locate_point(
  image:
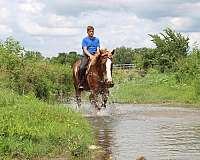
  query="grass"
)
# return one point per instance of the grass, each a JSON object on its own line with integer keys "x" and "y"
{"x": 153, "y": 88}
{"x": 30, "y": 128}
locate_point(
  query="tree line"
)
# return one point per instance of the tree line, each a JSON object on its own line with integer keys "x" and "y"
{"x": 28, "y": 72}
{"x": 172, "y": 55}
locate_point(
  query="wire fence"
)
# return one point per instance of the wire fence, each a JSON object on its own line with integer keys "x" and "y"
{"x": 123, "y": 66}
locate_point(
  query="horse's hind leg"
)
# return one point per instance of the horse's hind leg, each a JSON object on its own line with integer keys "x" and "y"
{"x": 78, "y": 98}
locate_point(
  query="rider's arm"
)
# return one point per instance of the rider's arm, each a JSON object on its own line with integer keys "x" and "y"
{"x": 98, "y": 51}
{"x": 86, "y": 52}
{"x": 98, "y": 47}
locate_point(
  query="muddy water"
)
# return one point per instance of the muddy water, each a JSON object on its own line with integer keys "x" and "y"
{"x": 155, "y": 132}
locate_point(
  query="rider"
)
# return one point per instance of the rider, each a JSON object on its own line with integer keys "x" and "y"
{"x": 90, "y": 46}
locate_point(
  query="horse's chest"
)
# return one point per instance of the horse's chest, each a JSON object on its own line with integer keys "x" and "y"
{"x": 95, "y": 78}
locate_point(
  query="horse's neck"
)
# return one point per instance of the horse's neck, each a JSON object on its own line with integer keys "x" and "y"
{"x": 97, "y": 68}
{"x": 94, "y": 67}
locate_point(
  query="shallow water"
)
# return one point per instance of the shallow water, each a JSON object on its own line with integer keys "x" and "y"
{"x": 156, "y": 132}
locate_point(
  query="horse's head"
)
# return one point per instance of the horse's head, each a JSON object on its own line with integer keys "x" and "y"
{"x": 105, "y": 59}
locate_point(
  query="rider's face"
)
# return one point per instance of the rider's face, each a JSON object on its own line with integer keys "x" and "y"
{"x": 90, "y": 33}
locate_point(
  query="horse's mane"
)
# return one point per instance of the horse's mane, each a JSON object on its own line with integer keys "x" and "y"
{"x": 104, "y": 53}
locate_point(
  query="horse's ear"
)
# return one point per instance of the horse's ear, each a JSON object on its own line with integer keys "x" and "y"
{"x": 113, "y": 51}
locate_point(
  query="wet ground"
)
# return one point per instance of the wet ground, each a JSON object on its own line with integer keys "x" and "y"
{"x": 157, "y": 132}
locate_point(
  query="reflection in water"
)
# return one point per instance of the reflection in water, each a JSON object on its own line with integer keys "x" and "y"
{"x": 103, "y": 132}
{"x": 158, "y": 133}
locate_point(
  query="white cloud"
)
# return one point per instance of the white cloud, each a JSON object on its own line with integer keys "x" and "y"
{"x": 57, "y": 26}
{"x": 194, "y": 37}
{"x": 6, "y": 30}
{"x": 35, "y": 21}
{"x": 4, "y": 13}
{"x": 36, "y": 29}
{"x": 178, "y": 23}
{"x": 190, "y": 9}
{"x": 59, "y": 21}
{"x": 31, "y": 6}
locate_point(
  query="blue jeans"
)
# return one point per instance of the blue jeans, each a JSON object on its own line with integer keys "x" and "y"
{"x": 83, "y": 65}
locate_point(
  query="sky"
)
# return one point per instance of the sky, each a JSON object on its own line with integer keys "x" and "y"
{"x": 53, "y": 26}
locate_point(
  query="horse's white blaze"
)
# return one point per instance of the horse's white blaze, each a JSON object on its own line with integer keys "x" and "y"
{"x": 108, "y": 70}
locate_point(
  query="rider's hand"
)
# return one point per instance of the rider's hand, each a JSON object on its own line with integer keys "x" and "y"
{"x": 92, "y": 57}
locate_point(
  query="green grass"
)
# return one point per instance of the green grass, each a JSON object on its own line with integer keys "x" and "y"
{"x": 153, "y": 88}
{"x": 30, "y": 128}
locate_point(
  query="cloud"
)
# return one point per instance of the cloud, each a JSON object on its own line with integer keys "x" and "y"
{"x": 5, "y": 29}
{"x": 181, "y": 24}
{"x": 195, "y": 37}
{"x": 32, "y": 7}
{"x": 190, "y": 9}
{"x": 4, "y": 14}
{"x": 38, "y": 30}
{"x": 59, "y": 26}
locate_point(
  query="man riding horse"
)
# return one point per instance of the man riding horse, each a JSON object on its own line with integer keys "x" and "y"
{"x": 90, "y": 46}
{"x": 94, "y": 72}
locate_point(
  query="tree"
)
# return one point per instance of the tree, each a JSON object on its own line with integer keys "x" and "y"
{"x": 66, "y": 58}
{"x": 144, "y": 57}
{"x": 170, "y": 47}
{"x": 123, "y": 55}
{"x": 72, "y": 57}
{"x": 28, "y": 72}
{"x": 33, "y": 55}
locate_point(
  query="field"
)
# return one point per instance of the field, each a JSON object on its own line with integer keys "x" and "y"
{"x": 130, "y": 87}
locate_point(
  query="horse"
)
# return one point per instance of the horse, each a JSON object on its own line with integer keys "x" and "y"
{"x": 98, "y": 78}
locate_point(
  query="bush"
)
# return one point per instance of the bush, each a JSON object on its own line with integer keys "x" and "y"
{"x": 28, "y": 72}
{"x": 188, "y": 69}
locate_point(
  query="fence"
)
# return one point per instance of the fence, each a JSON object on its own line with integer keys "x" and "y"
{"x": 123, "y": 66}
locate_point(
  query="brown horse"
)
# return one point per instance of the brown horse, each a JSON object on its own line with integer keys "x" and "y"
{"x": 98, "y": 78}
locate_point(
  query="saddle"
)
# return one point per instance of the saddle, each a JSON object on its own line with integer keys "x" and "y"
{"x": 90, "y": 63}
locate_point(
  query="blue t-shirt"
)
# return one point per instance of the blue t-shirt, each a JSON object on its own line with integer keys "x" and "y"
{"x": 91, "y": 44}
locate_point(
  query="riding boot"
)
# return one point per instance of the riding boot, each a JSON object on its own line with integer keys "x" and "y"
{"x": 81, "y": 79}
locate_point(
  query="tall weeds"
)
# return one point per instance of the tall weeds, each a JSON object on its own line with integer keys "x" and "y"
{"x": 30, "y": 128}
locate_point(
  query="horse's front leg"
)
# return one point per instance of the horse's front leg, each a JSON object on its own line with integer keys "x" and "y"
{"x": 93, "y": 100}
{"x": 105, "y": 94}
{"x": 78, "y": 97}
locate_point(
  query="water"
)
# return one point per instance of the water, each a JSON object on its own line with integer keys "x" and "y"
{"x": 156, "y": 132}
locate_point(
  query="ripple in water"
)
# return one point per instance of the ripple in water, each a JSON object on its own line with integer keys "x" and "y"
{"x": 155, "y": 132}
